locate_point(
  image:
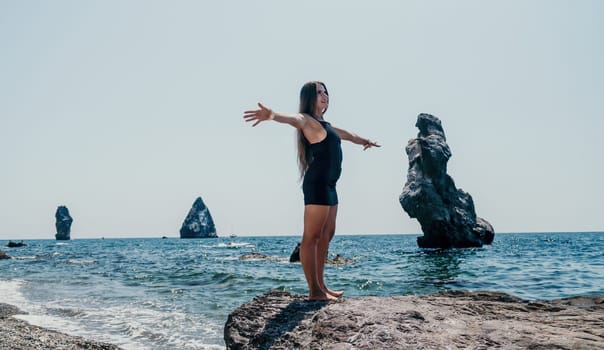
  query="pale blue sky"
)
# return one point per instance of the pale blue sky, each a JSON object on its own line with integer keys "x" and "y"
{"x": 126, "y": 111}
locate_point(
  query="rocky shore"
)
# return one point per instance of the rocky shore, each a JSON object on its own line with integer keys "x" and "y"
{"x": 447, "y": 320}
{"x": 20, "y": 335}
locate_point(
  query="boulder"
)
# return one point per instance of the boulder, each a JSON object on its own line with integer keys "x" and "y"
{"x": 446, "y": 320}
{"x": 446, "y": 214}
{"x": 199, "y": 222}
{"x": 12, "y": 244}
{"x": 63, "y": 223}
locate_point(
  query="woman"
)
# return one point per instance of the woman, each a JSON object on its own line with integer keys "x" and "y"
{"x": 320, "y": 160}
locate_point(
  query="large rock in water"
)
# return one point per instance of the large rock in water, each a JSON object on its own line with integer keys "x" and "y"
{"x": 63, "y": 223}
{"x": 447, "y": 320}
{"x": 445, "y": 213}
{"x": 198, "y": 223}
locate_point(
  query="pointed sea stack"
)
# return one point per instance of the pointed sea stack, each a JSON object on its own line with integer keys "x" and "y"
{"x": 198, "y": 223}
{"x": 63, "y": 224}
{"x": 446, "y": 214}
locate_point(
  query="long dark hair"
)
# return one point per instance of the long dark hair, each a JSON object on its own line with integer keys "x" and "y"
{"x": 308, "y": 100}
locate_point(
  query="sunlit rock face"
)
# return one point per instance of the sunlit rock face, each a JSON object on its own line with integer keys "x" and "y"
{"x": 199, "y": 222}
{"x": 446, "y": 214}
{"x": 63, "y": 223}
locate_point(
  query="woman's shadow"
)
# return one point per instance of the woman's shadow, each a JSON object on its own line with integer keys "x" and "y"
{"x": 285, "y": 321}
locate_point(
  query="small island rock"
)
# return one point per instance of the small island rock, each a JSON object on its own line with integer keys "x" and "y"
{"x": 199, "y": 222}
{"x": 446, "y": 214}
{"x": 63, "y": 223}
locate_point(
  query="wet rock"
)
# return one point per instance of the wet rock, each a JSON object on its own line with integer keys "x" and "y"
{"x": 451, "y": 319}
{"x": 255, "y": 256}
{"x": 199, "y": 222}
{"x": 3, "y": 255}
{"x": 446, "y": 214}
{"x": 7, "y": 310}
{"x": 339, "y": 260}
{"x": 63, "y": 223}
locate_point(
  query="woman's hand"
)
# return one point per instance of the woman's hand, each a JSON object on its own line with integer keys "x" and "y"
{"x": 259, "y": 115}
{"x": 368, "y": 144}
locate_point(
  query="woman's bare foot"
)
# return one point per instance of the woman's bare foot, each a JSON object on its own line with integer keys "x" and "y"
{"x": 335, "y": 293}
{"x": 321, "y": 297}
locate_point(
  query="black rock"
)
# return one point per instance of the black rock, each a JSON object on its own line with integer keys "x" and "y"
{"x": 63, "y": 223}
{"x": 12, "y": 244}
{"x": 295, "y": 256}
{"x": 445, "y": 213}
{"x": 199, "y": 222}
{"x": 3, "y": 255}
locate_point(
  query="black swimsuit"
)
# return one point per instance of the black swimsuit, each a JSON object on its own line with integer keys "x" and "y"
{"x": 324, "y": 168}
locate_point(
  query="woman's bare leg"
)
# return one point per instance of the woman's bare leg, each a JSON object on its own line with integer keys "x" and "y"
{"x": 315, "y": 217}
{"x": 329, "y": 229}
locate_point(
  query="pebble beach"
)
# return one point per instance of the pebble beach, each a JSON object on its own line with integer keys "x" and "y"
{"x": 20, "y": 335}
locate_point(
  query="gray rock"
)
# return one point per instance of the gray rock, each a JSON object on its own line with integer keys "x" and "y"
{"x": 339, "y": 260}
{"x": 255, "y": 256}
{"x": 63, "y": 223}
{"x": 199, "y": 222}
{"x": 447, "y": 320}
{"x": 7, "y": 310}
{"x": 445, "y": 213}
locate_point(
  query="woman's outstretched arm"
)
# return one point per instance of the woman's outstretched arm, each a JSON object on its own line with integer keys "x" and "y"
{"x": 264, "y": 113}
{"x": 354, "y": 138}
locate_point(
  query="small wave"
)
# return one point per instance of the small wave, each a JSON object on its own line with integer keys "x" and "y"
{"x": 26, "y": 257}
{"x": 61, "y": 243}
{"x": 81, "y": 262}
{"x": 66, "y": 312}
{"x": 11, "y": 292}
{"x": 233, "y": 245}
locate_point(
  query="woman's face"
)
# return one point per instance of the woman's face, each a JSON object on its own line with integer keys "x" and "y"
{"x": 322, "y": 99}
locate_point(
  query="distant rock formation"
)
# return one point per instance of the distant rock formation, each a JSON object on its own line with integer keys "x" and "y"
{"x": 63, "y": 223}
{"x": 445, "y": 213}
{"x": 446, "y": 320}
{"x": 198, "y": 223}
{"x": 3, "y": 255}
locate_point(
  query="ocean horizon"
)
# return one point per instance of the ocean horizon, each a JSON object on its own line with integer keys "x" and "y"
{"x": 154, "y": 293}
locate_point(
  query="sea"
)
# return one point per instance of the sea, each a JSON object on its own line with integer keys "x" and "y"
{"x": 154, "y": 293}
